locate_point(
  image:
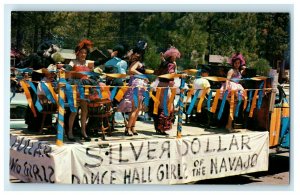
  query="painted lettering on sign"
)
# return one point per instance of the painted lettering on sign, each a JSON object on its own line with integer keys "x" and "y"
{"x": 37, "y": 173}
{"x": 30, "y": 147}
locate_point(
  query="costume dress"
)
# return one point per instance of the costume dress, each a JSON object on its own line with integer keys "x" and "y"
{"x": 127, "y": 103}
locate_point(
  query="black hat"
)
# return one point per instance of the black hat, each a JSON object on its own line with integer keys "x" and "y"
{"x": 140, "y": 47}
{"x": 205, "y": 68}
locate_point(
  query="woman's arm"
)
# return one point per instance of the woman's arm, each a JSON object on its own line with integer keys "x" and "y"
{"x": 229, "y": 75}
{"x": 132, "y": 68}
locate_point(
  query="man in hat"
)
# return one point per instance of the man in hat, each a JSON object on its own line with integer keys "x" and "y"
{"x": 202, "y": 83}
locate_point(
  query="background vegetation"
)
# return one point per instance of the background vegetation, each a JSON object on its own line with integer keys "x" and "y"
{"x": 259, "y": 36}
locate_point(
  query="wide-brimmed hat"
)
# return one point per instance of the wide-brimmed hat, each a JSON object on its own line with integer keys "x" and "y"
{"x": 237, "y": 56}
{"x": 50, "y": 69}
{"x": 63, "y": 54}
{"x": 172, "y": 52}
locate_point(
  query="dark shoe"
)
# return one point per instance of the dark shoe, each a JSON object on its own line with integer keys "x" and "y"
{"x": 87, "y": 138}
{"x": 159, "y": 132}
{"x": 71, "y": 139}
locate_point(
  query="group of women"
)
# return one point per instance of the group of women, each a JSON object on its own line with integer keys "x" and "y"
{"x": 137, "y": 84}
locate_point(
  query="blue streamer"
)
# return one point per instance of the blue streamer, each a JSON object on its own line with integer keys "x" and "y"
{"x": 47, "y": 92}
{"x": 209, "y": 100}
{"x": 191, "y": 106}
{"x": 69, "y": 94}
{"x": 89, "y": 73}
{"x": 136, "y": 97}
{"x": 285, "y": 132}
{"x": 260, "y": 95}
{"x": 198, "y": 73}
{"x": 62, "y": 80}
{"x": 239, "y": 104}
{"x": 165, "y": 105}
{"x": 177, "y": 105}
{"x": 250, "y": 100}
{"x": 113, "y": 93}
{"x": 37, "y": 102}
{"x": 146, "y": 97}
{"x": 141, "y": 76}
{"x": 81, "y": 91}
{"x": 99, "y": 91}
{"x": 29, "y": 70}
{"x": 222, "y": 105}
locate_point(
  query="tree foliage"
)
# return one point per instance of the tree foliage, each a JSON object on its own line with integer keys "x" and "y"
{"x": 256, "y": 35}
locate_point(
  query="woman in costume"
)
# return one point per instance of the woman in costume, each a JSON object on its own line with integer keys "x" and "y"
{"x": 138, "y": 81}
{"x": 163, "y": 123}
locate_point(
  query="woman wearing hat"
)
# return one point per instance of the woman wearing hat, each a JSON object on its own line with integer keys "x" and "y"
{"x": 232, "y": 82}
{"x": 137, "y": 79}
{"x": 80, "y": 64}
{"x": 163, "y": 123}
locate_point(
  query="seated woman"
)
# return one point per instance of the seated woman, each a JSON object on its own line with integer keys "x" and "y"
{"x": 232, "y": 82}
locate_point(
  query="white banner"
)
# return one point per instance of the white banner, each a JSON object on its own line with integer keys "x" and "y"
{"x": 152, "y": 161}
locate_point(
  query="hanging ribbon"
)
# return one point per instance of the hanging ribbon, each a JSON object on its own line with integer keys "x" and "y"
{"x": 171, "y": 100}
{"x": 51, "y": 89}
{"x": 231, "y": 106}
{"x": 37, "y": 102}
{"x": 105, "y": 92}
{"x": 216, "y": 100}
{"x": 156, "y": 103}
{"x": 47, "y": 92}
{"x": 245, "y": 99}
{"x": 189, "y": 95}
{"x": 177, "y": 105}
{"x": 74, "y": 89}
{"x": 136, "y": 97}
{"x": 99, "y": 91}
{"x": 209, "y": 100}
{"x": 238, "y": 104}
{"x": 204, "y": 91}
{"x": 260, "y": 95}
{"x": 121, "y": 93}
{"x": 192, "y": 104}
{"x": 146, "y": 96}
{"x": 29, "y": 70}
{"x": 69, "y": 94}
{"x": 28, "y": 97}
{"x": 80, "y": 91}
{"x": 249, "y": 102}
{"x": 253, "y": 103}
{"x": 165, "y": 101}
{"x": 113, "y": 93}
{"x": 86, "y": 90}
{"x": 222, "y": 104}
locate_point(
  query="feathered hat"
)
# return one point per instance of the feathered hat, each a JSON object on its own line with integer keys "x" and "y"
{"x": 85, "y": 43}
